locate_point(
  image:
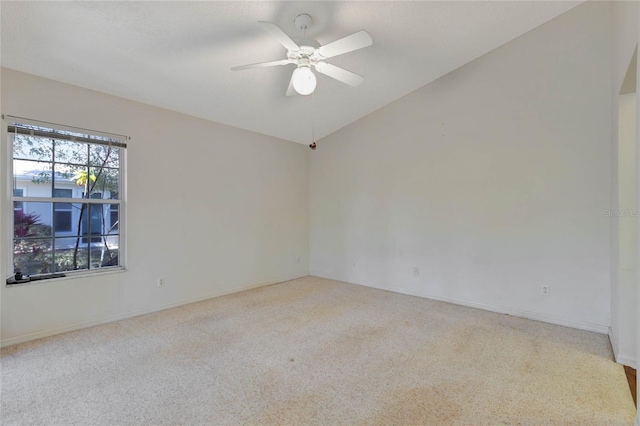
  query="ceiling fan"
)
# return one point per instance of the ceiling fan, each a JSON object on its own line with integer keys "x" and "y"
{"x": 307, "y": 54}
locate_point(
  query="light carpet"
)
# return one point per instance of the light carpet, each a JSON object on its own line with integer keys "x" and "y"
{"x": 316, "y": 351}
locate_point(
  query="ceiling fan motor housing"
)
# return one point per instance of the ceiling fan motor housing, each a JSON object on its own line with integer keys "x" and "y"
{"x": 302, "y": 21}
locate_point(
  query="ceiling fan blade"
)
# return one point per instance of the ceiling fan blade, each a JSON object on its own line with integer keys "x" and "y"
{"x": 262, "y": 65}
{"x": 340, "y": 74}
{"x": 346, "y": 44}
{"x": 279, "y": 35}
{"x": 290, "y": 90}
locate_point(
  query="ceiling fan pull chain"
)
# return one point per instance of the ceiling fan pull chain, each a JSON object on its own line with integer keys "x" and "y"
{"x": 313, "y": 117}
{"x": 313, "y": 121}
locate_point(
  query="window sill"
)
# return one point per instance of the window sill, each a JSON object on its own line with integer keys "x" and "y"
{"x": 67, "y": 276}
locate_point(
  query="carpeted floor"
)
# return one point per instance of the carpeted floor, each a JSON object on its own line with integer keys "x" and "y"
{"x": 315, "y": 351}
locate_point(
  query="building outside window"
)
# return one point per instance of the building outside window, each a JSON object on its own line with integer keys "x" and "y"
{"x": 62, "y": 211}
{"x": 18, "y": 206}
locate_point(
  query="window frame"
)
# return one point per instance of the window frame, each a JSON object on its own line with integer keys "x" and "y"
{"x": 7, "y": 241}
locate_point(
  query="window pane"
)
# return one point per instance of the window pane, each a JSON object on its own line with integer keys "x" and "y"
{"x": 62, "y": 212}
{"x": 114, "y": 219}
{"x": 32, "y": 256}
{"x": 68, "y": 257}
{"x": 71, "y": 152}
{"x": 105, "y": 253}
{"x": 106, "y": 182}
{"x": 93, "y": 222}
{"x": 32, "y": 148}
{"x": 105, "y": 156}
{"x": 69, "y": 177}
{"x": 98, "y": 223}
{"x": 33, "y": 220}
{"x": 34, "y": 175}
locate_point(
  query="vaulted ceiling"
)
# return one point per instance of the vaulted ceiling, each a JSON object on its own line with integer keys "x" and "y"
{"x": 178, "y": 55}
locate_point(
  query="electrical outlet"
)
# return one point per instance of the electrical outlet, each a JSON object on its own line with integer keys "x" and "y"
{"x": 416, "y": 271}
{"x": 297, "y": 259}
{"x": 161, "y": 282}
{"x": 545, "y": 290}
{"x": 354, "y": 263}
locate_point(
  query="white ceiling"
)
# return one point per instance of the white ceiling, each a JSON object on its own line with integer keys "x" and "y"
{"x": 178, "y": 55}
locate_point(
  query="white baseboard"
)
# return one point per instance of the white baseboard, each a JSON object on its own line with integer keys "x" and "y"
{"x": 621, "y": 358}
{"x": 627, "y": 360}
{"x": 10, "y": 341}
{"x": 597, "y": 328}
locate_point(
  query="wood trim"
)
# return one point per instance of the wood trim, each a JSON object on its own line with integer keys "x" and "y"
{"x": 631, "y": 378}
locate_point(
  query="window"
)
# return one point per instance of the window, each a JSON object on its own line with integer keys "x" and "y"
{"x": 73, "y": 179}
{"x": 62, "y": 212}
{"x": 18, "y": 206}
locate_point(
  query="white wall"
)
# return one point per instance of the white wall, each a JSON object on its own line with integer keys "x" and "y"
{"x": 625, "y": 22}
{"x": 627, "y": 223}
{"x": 492, "y": 180}
{"x": 211, "y": 208}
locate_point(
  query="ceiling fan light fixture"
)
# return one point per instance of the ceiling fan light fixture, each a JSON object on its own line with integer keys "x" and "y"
{"x": 307, "y": 54}
{"x": 304, "y": 81}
